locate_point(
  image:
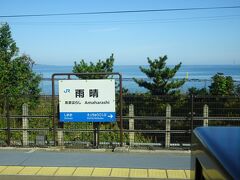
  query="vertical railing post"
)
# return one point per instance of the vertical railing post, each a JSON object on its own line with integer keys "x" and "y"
{"x": 96, "y": 127}
{"x": 131, "y": 124}
{"x": 120, "y": 107}
{"x": 205, "y": 115}
{"x": 53, "y": 111}
{"x": 168, "y": 126}
{"x": 192, "y": 124}
{"x": 25, "y": 124}
{"x": 8, "y": 121}
{"x": 60, "y": 139}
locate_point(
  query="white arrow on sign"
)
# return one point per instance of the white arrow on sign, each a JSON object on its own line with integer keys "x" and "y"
{"x": 110, "y": 116}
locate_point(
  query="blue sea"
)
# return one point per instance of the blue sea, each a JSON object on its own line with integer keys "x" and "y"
{"x": 199, "y": 76}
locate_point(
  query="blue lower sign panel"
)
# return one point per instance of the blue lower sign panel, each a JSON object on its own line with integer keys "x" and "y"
{"x": 87, "y": 116}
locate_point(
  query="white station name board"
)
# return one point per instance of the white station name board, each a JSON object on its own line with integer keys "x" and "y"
{"x": 87, "y": 100}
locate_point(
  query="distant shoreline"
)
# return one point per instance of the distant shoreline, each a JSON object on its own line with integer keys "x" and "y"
{"x": 199, "y": 76}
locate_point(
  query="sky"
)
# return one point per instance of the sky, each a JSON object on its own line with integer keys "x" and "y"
{"x": 191, "y": 37}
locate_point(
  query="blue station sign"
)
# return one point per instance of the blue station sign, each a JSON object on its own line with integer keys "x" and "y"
{"x": 87, "y": 100}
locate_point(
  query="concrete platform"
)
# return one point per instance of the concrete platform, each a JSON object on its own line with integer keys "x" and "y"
{"x": 40, "y": 164}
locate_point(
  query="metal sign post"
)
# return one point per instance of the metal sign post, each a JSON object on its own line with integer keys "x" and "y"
{"x": 83, "y": 93}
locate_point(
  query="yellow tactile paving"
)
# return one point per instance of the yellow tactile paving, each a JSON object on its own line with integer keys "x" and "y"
{"x": 12, "y": 170}
{"x": 47, "y": 171}
{"x": 90, "y": 171}
{"x": 104, "y": 172}
{"x": 29, "y": 170}
{"x": 142, "y": 173}
{"x": 176, "y": 174}
{"x": 83, "y": 171}
{"x": 120, "y": 172}
{"x": 65, "y": 171}
{"x": 2, "y": 168}
{"x": 187, "y": 172}
{"x": 157, "y": 173}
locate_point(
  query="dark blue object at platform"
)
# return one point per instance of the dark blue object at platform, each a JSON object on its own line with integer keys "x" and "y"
{"x": 224, "y": 144}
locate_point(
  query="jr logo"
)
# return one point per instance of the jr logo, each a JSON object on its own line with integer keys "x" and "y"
{"x": 66, "y": 91}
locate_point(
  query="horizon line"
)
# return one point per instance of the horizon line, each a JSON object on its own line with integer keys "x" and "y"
{"x": 147, "y": 65}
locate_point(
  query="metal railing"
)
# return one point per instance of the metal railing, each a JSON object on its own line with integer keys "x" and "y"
{"x": 148, "y": 122}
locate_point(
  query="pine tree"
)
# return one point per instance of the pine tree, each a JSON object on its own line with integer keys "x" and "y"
{"x": 160, "y": 77}
{"x": 100, "y": 66}
{"x": 18, "y": 83}
{"x": 222, "y": 85}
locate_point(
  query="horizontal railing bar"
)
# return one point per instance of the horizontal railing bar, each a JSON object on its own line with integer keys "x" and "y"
{"x": 26, "y": 129}
{"x": 92, "y": 130}
{"x": 28, "y": 116}
{"x": 157, "y": 118}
